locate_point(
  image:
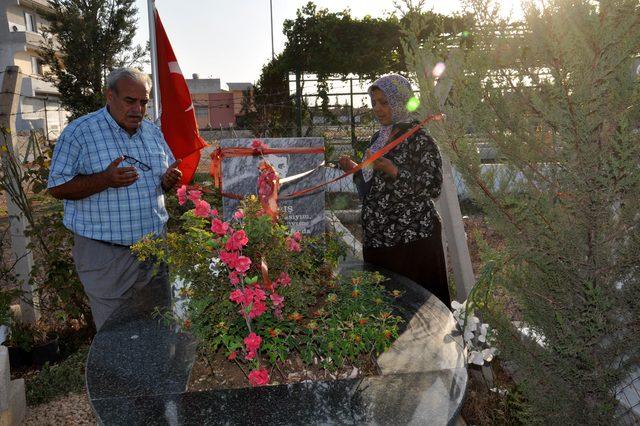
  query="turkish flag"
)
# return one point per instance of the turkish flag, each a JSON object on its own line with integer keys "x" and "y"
{"x": 178, "y": 118}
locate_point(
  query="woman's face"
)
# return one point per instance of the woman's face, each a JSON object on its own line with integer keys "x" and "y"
{"x": 381, "y": 108}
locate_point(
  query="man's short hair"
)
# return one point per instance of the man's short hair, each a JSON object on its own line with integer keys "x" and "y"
{"x": 130, "y": 73}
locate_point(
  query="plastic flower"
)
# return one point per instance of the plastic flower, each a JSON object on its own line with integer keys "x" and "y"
{"x": 258, "y": 145}
{"x": 182, "y": 194}
{"x": 232, "y": 355}
{"x": 242, "y": 264}
{"x": 237, "y": 240}
{"x": 203, "y": 209}
{"x": 239, "y": 214}
{"x": 219, "y": 227}
{"x": 259, "y": 377}
{"x": 257, "y": 308}
{"x": 297, "y": 236}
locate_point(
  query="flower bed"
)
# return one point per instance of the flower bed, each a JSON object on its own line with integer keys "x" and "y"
{"x": 266, "y": 299}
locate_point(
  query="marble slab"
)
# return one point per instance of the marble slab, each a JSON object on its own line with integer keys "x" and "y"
{"x": 423, "y": 381}
{"x": 240, "y": 174}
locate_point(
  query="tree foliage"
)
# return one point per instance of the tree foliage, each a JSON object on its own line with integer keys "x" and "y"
{"x": 558, "y": 102}
{"x": 324, "y": 44}
{"x": 85, "y": 40}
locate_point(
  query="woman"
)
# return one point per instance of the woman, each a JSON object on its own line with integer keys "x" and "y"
{"x": 402, "y": 230}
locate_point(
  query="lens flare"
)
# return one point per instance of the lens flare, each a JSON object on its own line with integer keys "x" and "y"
{"x": 413, "y": 104}
{"x": 438, "y": 70}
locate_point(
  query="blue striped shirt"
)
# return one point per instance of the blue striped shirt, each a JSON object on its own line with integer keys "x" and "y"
{"x": 118, "y": 215}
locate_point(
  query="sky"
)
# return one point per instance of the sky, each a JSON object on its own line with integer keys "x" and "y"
{"x": 231, "y": 39}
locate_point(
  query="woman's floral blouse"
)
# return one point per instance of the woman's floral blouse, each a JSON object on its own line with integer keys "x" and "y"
{"x": 400, "y": 210}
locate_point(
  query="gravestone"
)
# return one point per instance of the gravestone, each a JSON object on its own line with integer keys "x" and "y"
{"x": 240, "y": 176}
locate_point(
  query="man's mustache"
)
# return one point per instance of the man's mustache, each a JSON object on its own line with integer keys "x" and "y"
{"x": 134, "y": 116}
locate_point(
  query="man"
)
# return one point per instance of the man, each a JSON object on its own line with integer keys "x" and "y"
{"x": 112, "y": 168}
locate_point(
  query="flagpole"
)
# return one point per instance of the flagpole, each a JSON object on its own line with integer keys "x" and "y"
{"x": 154, "y": 60}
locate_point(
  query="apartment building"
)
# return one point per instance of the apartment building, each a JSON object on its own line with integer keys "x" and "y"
{"x": 217, "y": 108}
{"x": 21, "y": 27}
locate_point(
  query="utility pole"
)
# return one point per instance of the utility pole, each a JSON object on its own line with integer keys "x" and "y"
{"x": 273, "y": 55}
{"x": 9, "y": 102}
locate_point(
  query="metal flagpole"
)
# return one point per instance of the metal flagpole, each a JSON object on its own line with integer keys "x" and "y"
{"x": 271, "y": 11}
{"x": 154, "y": 61}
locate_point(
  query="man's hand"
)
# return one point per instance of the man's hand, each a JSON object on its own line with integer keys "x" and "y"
{"x": 346, "y": 163}
{"x": 171, "y": 177}
{"x": 384, "y": 165}
{"x": 116, "y": 177}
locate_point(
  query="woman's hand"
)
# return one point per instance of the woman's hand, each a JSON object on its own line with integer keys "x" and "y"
{"x": 346, "y": 163}
{"x": 384, "y": 165}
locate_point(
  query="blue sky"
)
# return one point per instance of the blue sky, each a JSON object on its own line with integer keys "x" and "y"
{"x": 231, "y": 40}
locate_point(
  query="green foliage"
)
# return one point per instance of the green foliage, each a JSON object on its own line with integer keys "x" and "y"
{"x": 58, "y": 380}
{"x": 556, "y": 98}
{"x": 326, "y": 44}
{"x": 332, "y": 320}
{"x": 89, "y": 38}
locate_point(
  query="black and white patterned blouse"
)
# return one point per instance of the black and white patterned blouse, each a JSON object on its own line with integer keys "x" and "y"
{"x": 401, "y": 210}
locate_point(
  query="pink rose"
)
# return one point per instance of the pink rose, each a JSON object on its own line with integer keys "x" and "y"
{"x": 182, "y": 194}
{"x": 258, "y": 145}
{"x": 194, "y": 195}
{"x": 297, "y": 236}
{"x": 242, "y": 263}
{"x": 237, "y": 240}
{"x": 259, "y": 377}
{"x": 214, "y": 212}
{"x": 291, "y": 244}
{"x": 258, "y": 293}
{"x": 203, "y": 209}
{"x": 219, "y": 227}
{"x": 276, "y": 299}
{"x": 239, "y": 214}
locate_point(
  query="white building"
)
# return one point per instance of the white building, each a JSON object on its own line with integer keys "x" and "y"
{"x": 21, "y": 37}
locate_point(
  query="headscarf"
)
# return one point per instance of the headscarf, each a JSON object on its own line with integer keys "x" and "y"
{"x": 398, "y": 91}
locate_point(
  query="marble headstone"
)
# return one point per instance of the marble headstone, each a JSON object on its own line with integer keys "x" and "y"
{"x": 240, "y": 176}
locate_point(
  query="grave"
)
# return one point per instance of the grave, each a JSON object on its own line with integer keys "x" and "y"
{"x": 138, "y": 369}
{"x": 297, "y": 171}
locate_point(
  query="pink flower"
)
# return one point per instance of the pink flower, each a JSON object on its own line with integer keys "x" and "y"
{"x": 242, "y": 263}
{"x": 258, "y": 293}
{"x": 234, "y": 278}
{"x": 232, "y": 355}
{"x": 237, "y": 296}
{"x": 297, "y": 236}
{"x": 237, "y": 240}
{"x": 229, "y": 258}
{"x": 258, "y": 377}
{"x": 239, "y": 214}
{"x": 284, "y": 279}
{"x": 182, "y": 194}
{"x": 194, "y": 195}
{"x": 292, "y": 245}
{"x": 258, "y": 145}
{"x": 252, "y": 343}
{"x": 214, "y": 212}
{"x": 219, "y": 227}
{"x": 257, "y": 308}
{"x": 203, "y": 209}
{"x": 276, "y": 299}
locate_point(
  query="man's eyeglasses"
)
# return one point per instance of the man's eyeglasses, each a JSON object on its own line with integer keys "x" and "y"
{"x": 135, "y": 162}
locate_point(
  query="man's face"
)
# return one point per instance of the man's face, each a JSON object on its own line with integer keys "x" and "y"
{"x": 128, "y": 103}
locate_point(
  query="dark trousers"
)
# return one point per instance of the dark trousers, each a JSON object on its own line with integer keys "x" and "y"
{"x": 422, "y": 261}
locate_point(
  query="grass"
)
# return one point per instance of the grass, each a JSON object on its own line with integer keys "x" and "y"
{"x": 57, "y": 380}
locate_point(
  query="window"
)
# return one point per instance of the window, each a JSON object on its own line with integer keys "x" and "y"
{"x": 202, "y": 112}
{"x": 36, "y": 66}
{"x": 30, "y": 22}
